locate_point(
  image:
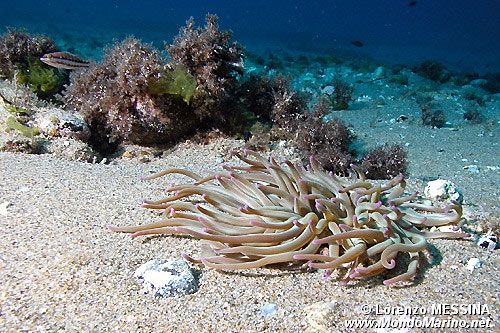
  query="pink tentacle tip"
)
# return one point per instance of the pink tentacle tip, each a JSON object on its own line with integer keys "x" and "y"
{"x": 344, "y": 282}
{"x": 386, "y": 232}
{"x": 189, "y": 258}
{"x": 388, "y": 282}
{"x": 378, "y": 204}
{"x": 327, "y": 274}
{"x": 172, "y": 212}
{"x": 111, "y": 227}
{"x": 317, "y": 241}
{"x": 345, "y": 227}
{"x": 360, "y": 270}
{"x": 134, "y": 235}
{"x": 391, "y": 264}
{"x": 296, "y": 223}
{"x": 254, "y": 223}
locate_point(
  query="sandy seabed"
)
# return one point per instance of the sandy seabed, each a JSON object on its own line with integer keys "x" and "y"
{"x": 62, "y": 270}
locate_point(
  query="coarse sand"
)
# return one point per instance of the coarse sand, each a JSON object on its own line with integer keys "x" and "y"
{"x": 61, "y": 270}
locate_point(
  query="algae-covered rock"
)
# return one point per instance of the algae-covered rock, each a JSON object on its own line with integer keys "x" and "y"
{"x": 70, "y": 149}
{"x": 56, "y": 122}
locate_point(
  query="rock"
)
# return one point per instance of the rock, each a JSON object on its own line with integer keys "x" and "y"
{"x": 56, "y": 122}
{"x": 478, "y": 82}
{"x": 3, "y": 208}
{"x": 379, "y": 73}
{"x": 167, "y": 278}
{"x": 328, "y": 90}
{"x": 441, "y": 189}
{"x": 268, "y": 309}
{"x": 70, "y": 149}
{"x": 473, "y": 263}
{"x": 319, "y": 317}
{"x": 402, "y": 118}
{"x": 472, "y": 168}
{"x": 16, "y": 143}
{"x": 488, "y": 241}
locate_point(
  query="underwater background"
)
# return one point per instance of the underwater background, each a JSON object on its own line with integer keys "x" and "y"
{"x": 463, "y": 35}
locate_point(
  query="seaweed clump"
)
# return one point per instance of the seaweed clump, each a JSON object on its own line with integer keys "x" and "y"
{"x": 116, "y": 100}
{"x": 19, "y": 59}
{"x": 341, "y": 96}
{"x": 45, "y": 82}
{"x": 384, "y": 162}
{"x": 18, "y": 49}
{"x": 432, "y": 70}
{"x": 135, "y": 95}
{"x": 327, "y": 141}
{"x": 215, "y": 62}
{"x": 473, "y": 115}
{"x": 266, "y": 213}
{"x": 432, "y": 117}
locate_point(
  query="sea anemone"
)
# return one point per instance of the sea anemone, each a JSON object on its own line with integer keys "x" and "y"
{"x": 268, "y": 213}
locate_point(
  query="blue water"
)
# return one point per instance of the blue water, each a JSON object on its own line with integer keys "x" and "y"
{"x": 462, "y": 34}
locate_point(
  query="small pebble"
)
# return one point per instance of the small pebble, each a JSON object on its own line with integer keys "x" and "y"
{"x": 166, "y": 278}
{"x": 472, "y": 168}
{"x": 473, "y": 263}
{"x": 328, "y": 90}
{"x": 3, "y": 208}
{"x": 488, "y": 241}
{"x": 402, "y": 118}
{"x": 268, "y": 309}
{"x": 441, "y": 189}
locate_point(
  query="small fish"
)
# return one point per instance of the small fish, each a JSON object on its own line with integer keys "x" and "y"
{"x": 357, "y": 43}
{"x": 412, "y": 3}
{"x": 64, "y": 60}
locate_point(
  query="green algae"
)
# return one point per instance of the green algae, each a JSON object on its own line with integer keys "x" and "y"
{"x": 177, "y": 82}
{"x": 14, "y": 124}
